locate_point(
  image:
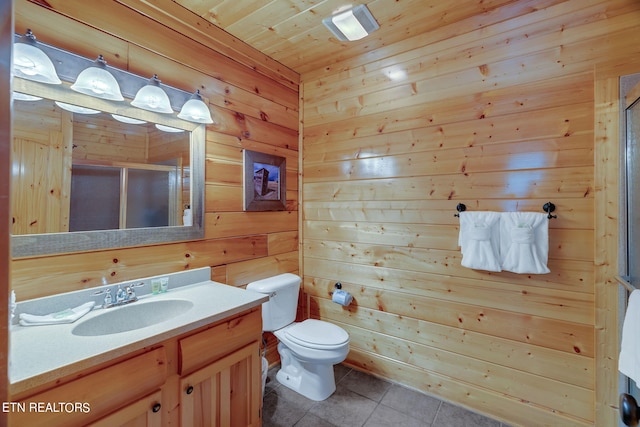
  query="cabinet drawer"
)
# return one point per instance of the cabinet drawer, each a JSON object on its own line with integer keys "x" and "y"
{"x": 211, "y": 344}
{"x": 88, "y": 398}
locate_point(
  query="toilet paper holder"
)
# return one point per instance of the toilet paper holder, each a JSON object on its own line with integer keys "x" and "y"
{"x": 341, "y": 297}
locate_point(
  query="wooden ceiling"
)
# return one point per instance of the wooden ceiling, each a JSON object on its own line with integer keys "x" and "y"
{"x": 291, "y": 31}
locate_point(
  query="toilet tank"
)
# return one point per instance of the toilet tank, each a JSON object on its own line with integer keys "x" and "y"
{"x": 281, "y": 308}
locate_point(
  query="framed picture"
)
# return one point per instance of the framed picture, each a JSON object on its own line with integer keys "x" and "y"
{"x": 264, "y": 182}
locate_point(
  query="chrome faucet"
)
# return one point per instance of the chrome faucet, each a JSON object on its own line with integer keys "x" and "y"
{"x": 122, "y": 296}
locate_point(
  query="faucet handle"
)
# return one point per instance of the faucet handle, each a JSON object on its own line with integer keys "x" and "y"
{"x": 131, "y": 293}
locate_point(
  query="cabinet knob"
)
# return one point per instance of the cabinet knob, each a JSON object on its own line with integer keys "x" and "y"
{"x": 629, "y": 411}
{"x": 189, "y": 389}
{"x": 156, "y": 407}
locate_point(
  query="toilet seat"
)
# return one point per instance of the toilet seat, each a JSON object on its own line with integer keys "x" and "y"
{"x": 317, "y": 334}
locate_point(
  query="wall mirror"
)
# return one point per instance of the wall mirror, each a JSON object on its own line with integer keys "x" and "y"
{"x": 114, "y": 176}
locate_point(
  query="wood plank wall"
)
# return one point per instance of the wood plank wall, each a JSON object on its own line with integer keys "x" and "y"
{"x": 40, "y": 157}
{"x": 496, "y": 112}
{"x": 255, "y": 105}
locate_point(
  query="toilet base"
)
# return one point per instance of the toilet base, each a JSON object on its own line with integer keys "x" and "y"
{"x": 314, "y": 381}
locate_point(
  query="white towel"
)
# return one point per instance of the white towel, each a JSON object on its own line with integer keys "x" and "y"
{"x": 629, "y": 361}
{"x": 479, "y": 240}
{"x": 69, "y": 315}
{"x": 12, "y": 306}
{"x": 524, "y": 242}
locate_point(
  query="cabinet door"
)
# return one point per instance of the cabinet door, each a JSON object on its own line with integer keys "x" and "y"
{"x": 145, "y": 412}
{"x": 225, "y": 393}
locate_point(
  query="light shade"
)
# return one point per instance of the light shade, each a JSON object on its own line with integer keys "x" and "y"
{"x": 352, "y": 24}
{"x": 75, "y": 108}
{"x": 98, "y": 82}
{"x": 128, "y": 120}
{"x": 31, "y": 63}
{"x": 165, "y": 128}
{"x": 195, "y": 110}
{"x": 18, "y": 96}
{"x": 151, "y": 97}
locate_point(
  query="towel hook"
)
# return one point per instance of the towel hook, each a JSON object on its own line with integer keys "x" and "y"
{"x": 548, "y": 208}
{"x": 460, "y": 208}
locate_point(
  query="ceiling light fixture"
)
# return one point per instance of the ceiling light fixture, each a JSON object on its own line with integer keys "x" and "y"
{"x": 352, "y": 24}
{"x": 31, "y": 63}
{"x": 97, "y": 81}
{"x": 151, "y": 97}
{"x": 195, "y": 110}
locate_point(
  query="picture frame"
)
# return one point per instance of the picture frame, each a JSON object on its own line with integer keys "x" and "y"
{"x": 264, "y": 182}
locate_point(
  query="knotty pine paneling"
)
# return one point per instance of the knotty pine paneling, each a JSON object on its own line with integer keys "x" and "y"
{"x": 500, "y": 116}
{"x": 460, "y": 392}
{"x": 41, "y": 157}
{"x": 97, "y": 140}
{"x": 252, "y": 109}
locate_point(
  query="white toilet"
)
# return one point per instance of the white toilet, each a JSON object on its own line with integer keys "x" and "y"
{"x": 308, "y": 349}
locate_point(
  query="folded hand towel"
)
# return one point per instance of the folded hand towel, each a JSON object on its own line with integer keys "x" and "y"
{"x": 629, "y": 360}
{"x": 479, "y": 240}
{"x": 524, "y": 242}
{"x": 69, "y": 315}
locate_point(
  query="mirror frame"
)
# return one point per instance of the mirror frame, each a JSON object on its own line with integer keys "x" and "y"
{"x": 33, "y": 245}
{"x": 80, "y": 241}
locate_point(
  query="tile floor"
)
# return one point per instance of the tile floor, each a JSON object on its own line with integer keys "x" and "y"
{"x": 363, "y": 400}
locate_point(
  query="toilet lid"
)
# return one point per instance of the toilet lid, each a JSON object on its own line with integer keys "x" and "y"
{"x": 314, "y": 332}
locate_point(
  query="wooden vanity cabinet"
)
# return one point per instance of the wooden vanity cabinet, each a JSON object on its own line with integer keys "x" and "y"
{"x": 208, "y": 377}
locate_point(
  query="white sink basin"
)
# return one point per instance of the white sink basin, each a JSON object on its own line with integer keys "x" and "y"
{"x": 136, "y": 315}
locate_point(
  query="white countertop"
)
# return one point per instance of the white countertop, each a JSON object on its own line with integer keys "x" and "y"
{"x": 40, "y": 354}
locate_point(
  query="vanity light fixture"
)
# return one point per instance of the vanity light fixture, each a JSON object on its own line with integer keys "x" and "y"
{"x": 151, "y": 97}
{"x": 31, "y": 63}
{"x": 97, "y": 81}
{"x": 352, "y": 24}
{"x": 195, "y": 110}
{"x": 76, "y": 108}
